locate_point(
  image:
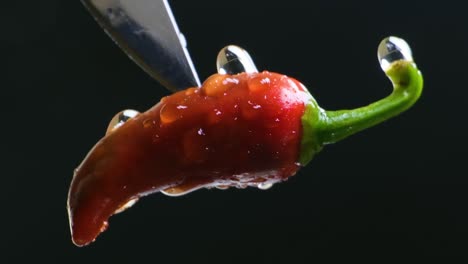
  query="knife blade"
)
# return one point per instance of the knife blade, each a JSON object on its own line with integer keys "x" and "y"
{"x": 147, "y": 32}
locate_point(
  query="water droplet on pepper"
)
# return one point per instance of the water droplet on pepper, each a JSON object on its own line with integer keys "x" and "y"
{"x": 175, "y": 191}
{"x": 148, "y": 123}
{"x": 259, "y": 83}
{"x": 264, "y": 185}
{"x": 218, "y": 85}
{"x": 250, "y": 110}
{"x": 233, "y": 59}
{"x": 171, "y": 112}
{"x": 127, "y": 205}
{"x": 120, "y": 118}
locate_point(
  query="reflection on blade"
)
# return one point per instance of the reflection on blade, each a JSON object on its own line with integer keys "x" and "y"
{"x": 146, "y": 30}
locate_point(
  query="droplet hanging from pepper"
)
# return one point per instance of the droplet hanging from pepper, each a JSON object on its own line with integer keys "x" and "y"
{"x": 120, "y": 118}
{"x": 233, "y": 59}
{"x": 239, "y": 129}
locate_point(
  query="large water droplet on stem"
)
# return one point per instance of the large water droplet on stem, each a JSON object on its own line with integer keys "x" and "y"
{"x": 233, "y": 59}
{"x": 392, "y": 49}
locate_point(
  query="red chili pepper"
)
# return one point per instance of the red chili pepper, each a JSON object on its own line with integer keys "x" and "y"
{"x": 236, "y": 130}
{"x": 248, "y": 129}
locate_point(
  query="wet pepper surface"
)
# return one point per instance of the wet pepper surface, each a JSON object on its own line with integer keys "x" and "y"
{"x": 236, "y": 130}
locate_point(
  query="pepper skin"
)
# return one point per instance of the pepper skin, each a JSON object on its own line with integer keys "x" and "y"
{"x": 248, "y": 129}
{"x": 236, "y": 130}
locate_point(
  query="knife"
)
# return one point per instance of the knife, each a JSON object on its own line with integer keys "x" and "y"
{"x": 147, "y": 32}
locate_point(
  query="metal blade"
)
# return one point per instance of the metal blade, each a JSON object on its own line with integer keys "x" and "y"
{"x": 146, "y": 30}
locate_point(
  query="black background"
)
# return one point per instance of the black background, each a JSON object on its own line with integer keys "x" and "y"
{"x": 396, "y": 193}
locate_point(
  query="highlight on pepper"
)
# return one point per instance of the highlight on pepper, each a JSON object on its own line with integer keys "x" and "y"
{"x": 241, "y": 128}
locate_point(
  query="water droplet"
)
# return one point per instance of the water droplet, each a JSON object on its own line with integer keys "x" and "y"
{"x": 250, "y": 110}
{"x": 264, "y": 185}
{"x": 201, "y": 132}
{"x": 170, "y": 113}
{"x": 180, "y": 190}
{"x": 230, "y": 81}
{"x": 217, "y": 85}
{"x": 182, "y": 40}
{"x": 127, "y": 205}
{"x": 149, "y": 123}
{"x": 233, "y": 60}
{"x": 392, "y": 49}
{"x": 173, "y": 191}
{"x": 215, "y": 116}
{"x": 104, "y": 226}
{"x": 191, "y": 91}
{"x": 260, "y": 82}
{"x": 265, "y": 80}
{"x": 242, "y": 185}
{"x": 120, "y": 118}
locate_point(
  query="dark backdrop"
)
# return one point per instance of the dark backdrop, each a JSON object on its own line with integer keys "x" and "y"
{"x": 396, "y": 193}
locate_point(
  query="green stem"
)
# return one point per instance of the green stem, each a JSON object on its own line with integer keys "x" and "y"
{"x": 323, "y": 127}
{"x": 407, "y": 82}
